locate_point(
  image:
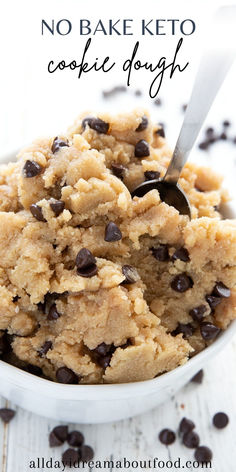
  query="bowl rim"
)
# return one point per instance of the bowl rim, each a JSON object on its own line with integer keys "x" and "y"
{"x": 27, "y": 381}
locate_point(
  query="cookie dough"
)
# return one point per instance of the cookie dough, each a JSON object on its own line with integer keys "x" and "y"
{"x": 97, "y": 287}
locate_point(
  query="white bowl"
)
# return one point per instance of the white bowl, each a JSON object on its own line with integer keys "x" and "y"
{"x": 101, "y": 403}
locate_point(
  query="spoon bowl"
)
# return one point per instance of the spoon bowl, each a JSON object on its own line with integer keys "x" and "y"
{"x": 170, "y": 193}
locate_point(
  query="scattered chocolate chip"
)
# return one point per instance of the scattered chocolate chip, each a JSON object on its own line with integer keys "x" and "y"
{"x": 223, "y": 136}
{"x": 143, "y": 125}
{"x": 160, "y": 131}
{"x": 104, "y": 362}
{"x": 213, "y": 301}
{"x": 142, "y": 149}
{"x": 57, "y": 144}
{"x": 182, "y": 254}
{"x": 198, "y": 312}
{"x": 220, "y": 290}
{"x": 86, "y": 263}
{"x": 209, "y": 331}
{"x": 130, "y": 273}
{"x": 34, "y": 370}
{"x": 16, "y": 298}
{"x": 167, "y": 436}
{"x": 75, "y": 439}
{"x": 198, "y": 377}
{"x": 181, "y": 283}
{"x": 203, "y": 454}
{"x": 61, "y": 432}
{"x": 86, "y": 453}
{"x": 53, "y": 313}
{"x": 31, "y": 169}
{"x": 186, "y": 329}
{"x": 151, "y": 174}
{"x": 54, "y": 441}
{"x": 226, "y": 123}
{"x": 220, "y": 420}
{"x": 191, "y": 439}
{"x": 138, "y": 93}
{"x": 70, "y": 457}
{"x": 114, "y": 91}
{"x": 102, "y": 354}
{"x": 37, "y": 212}
{"x": 66, "y": 376}
{"x": 185, "y": 426}
{"x": 45, "y": 348}
{"x": 57, "y": 207}
{"x": 157, "y": 102}
{"x": 161, "y": 252}
{"x": 6, "y": 414}
{"x": 204, "y": 145}
{"x": 210, "y": 131}
{"x": 96, "y": 124}
{"x": 112, "y": 232}
{"x": 118, "y": 170}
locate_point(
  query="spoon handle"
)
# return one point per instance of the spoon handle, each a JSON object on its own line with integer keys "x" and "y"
{"x": 213, "y": 68}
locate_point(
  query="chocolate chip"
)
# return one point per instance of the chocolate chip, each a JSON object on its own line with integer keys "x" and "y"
{"x": 151, "y": 174}
{"x": 209, "y": 331}
{"x": 220, "y": 290}
{"x": 6, "y": 414}
{"x": 138, "y": 93}
{"x": 96, "y": 124}
{"x": 112, "y": 232}
{"x": 102, "y": 349}
{"x": 223, "y": 136}
{"x": 58, "y": 144}
{"x": 198, "y": 312}
{"x": 161, "y": 252}
{"x": 61, "y": 432}
{"x": 143, "y": 125}
{"x": 37, "y": 212}
{"x": 226, "y": 123}
{"x": 118, "y": 170}
{"x": 104, "y": 362}
{"x": 185, "y": 426}
{"x": 86, "y": 263}
{"x": 66, "y": 376}
{"x": 210, "y": 131}
{"x": 142, "y": 149}
{"x": 167, "y": 436}
{"x": 213, "y": 301}
{"x": 54, "y": 441}
{"x": 157, "y": 102}
{"x": 57, "y": 207}
{"x": 160, "y": 131}
{"x": 86, "y": 453}
{"x": 31, "y": 169}
{"x": 70, "y": 457}
{"x": 191, "y": 439}
{"x": 75, "y": 439}
{"x": 203, "y": 454}
{"x": 16, "y": 298}
{"x": 204, "y": 145}
{"x": 181, "y": 283}
{"x": 220, "y": 420}
{"x": 45, "y": 348}
{"x": 34, "y": 370}
{"x": 130, "y": 273}
{"x": 53, "y": 313}
{"x": 186, "y": 329}
{"x": 198, "y": 377}
{"x": 182, "y": 254}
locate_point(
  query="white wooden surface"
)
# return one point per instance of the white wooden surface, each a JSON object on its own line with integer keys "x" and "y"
{"x": 26, "y": 437}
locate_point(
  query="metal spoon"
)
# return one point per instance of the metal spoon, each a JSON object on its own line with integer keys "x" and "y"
{"x": 213, "y": 68}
